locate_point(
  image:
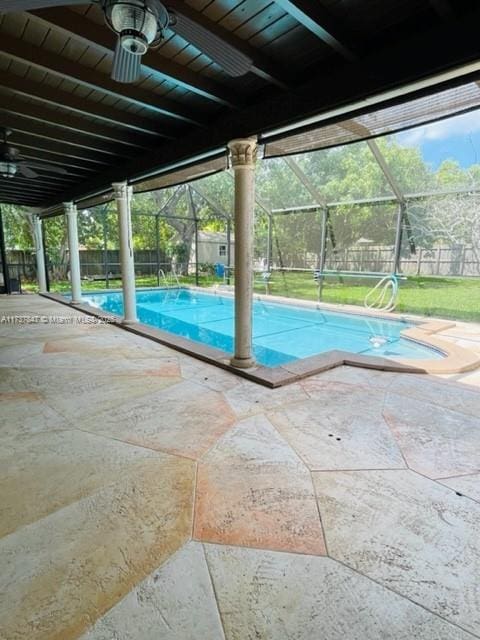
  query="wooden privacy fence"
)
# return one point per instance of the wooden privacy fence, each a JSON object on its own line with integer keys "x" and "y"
{"x": 443, "y": 261}
{"x": 96, "y": 262}
{"x": 22, "y": 264}
{"x": 93, "y": 263}
{"x": 457, "y": 260}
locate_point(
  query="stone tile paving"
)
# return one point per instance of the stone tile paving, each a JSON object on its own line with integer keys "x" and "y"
{"x": 409, "y": 534}
{"x": 254, "y": 491}
{"x": 466, "y": 335}
{"x": 145, "y": 495}
{"x": 346, "y": 432}
{"x": 435, "y": 441}
{"x": 468, "y": 485}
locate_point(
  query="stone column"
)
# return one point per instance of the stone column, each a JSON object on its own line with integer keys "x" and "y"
{"x": 123, "y": 196}
{"x": 243, "y": 156}
{"x": 72, "y": 231}
{"x": 38, "y": 238}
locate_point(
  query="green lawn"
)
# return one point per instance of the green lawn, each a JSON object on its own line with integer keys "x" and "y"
{"x": 454, "y": 298}
{"x": 100, "y": 285}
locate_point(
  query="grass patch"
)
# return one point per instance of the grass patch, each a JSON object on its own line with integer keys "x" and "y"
{"x": 452, "y": 298}
{"x": 63, "y": 286}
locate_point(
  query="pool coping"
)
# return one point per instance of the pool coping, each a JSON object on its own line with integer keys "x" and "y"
{"x": 456, "y": 360}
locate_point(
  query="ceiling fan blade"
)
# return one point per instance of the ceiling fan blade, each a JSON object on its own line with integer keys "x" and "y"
{"x": 26, "y": 171}
{"x": 51, "y": 168}
{"x": 233, "y": 61}
{"x": 10, "y": 6}
{"x": 126, "y": 65}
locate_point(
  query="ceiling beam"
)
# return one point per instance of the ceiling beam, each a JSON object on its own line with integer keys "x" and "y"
{"x": 57, "y": 179}
{"x": 51, "y": 62}
{"x": 76, "y": 124}
{"x": 22, "y": 193}
{"x": 317, "y": 19}
{"x": 75, "y": 169}
{"x": 29, "y": 192}
{"x": 19, "y": 182}
{"x": 52, "y": 178}
{"x": 19, "y": 201}
{"x": 11, "y": 6}
{"x": 262, "y": 65}
{"x": 102, "y": 39}
{"x": 63, "y": 180}
{"x": 58, "y": 98}
{"x": 32, "y": 141}
{"x": 75, "y": 139}
{"x": 16, "y": 194}
{"x": 18, "y": 198}
{"x": 27, "y": 189}
{"x": 441, "y": 48}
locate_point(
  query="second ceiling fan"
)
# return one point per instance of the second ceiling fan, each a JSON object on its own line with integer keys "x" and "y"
{"x": 141, "y": 25}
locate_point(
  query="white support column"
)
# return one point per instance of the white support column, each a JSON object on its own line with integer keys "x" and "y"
{"x": 123, "y": 195}
{"x": 38, "y": 239}
{"x": 243, "y": 155}
{"x": 72, "y": 232}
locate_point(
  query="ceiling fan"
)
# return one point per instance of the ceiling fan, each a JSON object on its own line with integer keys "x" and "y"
{"x": 140, "y": 25}
{"x": 12, "y": 163}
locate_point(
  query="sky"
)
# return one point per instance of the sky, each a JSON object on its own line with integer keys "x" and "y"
{"x": 455, "y": 138}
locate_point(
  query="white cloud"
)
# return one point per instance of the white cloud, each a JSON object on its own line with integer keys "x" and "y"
{"x": 465, "y": 125}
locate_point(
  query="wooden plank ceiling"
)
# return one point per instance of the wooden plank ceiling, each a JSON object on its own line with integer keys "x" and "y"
{"x": 308, "y": 56}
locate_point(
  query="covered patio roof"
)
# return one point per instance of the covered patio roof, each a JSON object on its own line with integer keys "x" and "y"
{"x": 308, "y": 59}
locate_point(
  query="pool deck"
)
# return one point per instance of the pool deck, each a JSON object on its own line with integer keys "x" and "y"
{"x": 146, "y": 495}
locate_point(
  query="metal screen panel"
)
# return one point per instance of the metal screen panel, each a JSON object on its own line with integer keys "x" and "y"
{"x": 391, "y": 119}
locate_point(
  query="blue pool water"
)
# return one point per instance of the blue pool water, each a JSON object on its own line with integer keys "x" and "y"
{"x": 281, "y": 332}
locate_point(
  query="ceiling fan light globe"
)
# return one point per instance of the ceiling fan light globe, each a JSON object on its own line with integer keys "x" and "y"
{"x": 137, "y": 19}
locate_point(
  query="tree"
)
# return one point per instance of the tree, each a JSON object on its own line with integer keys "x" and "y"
{"x": 175, "y": 211}
{"x": 56, "y": 245}
{"x": 18, "y": 228}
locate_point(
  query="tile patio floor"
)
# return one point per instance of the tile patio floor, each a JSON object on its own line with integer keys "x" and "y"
{"x": 145, "y": 495}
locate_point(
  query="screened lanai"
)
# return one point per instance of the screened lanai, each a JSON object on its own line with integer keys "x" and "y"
{"x": 331, "y": 219}
{"x": 185, "y": 111}
{"x": 303, "y": 206}
{"x": 211, "y": 428}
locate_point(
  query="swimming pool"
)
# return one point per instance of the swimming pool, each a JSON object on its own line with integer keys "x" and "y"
{"x": 281, "y": 332}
